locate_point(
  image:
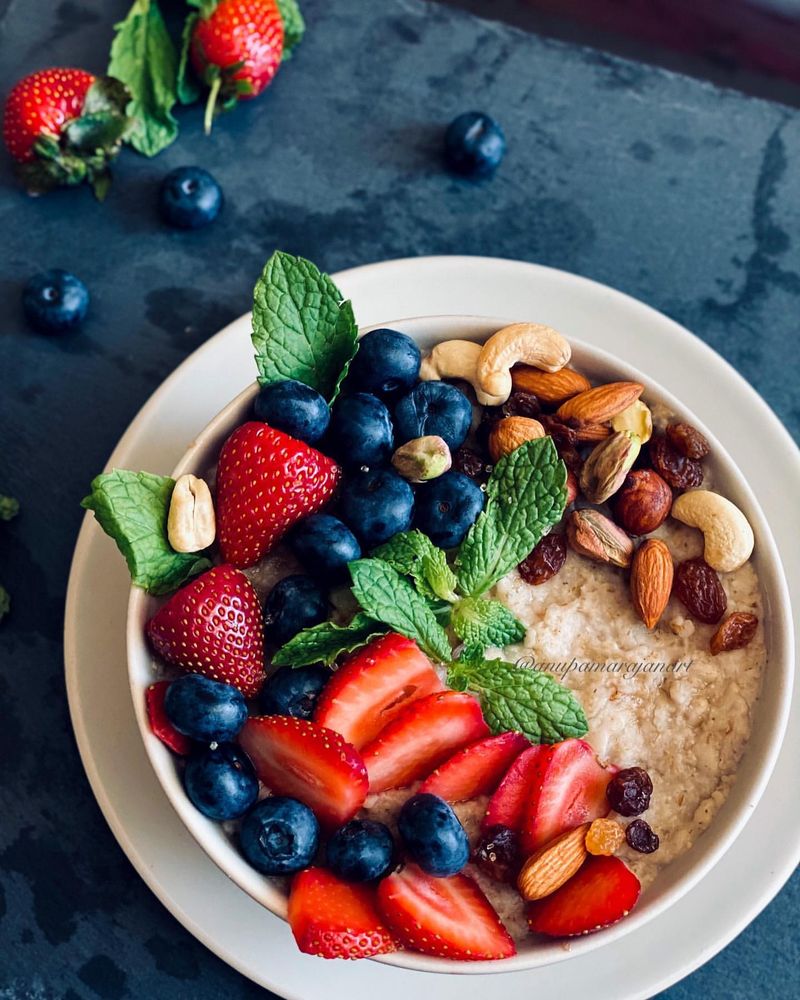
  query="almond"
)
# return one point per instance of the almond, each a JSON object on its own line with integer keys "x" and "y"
{"x": 552, "y": 865}
{"x": 587, "y": 432}
{"x": 651, "y": 580}
{"x": 597, "y": 405}
{"x": 549, "y": 387}
{"x": 511, "y": 432}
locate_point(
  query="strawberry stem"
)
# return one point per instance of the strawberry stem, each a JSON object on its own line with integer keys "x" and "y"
{"x": 211, "y": 103}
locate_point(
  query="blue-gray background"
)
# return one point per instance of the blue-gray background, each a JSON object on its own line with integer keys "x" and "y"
{"x": 683, "y": 195}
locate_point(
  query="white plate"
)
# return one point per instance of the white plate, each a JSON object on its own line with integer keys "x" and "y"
{"x": 188, "y": 883}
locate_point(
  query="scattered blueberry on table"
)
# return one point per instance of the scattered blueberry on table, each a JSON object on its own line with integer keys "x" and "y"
{"x": 189, "y": 198}
{"x": 220, "y": 781}
{"x": 325, "y": 545}
{"x": 279, "y": 836}
{"x": 360, "y": 851}
{"x": 204, "y": 709}
{"x": 55, "y": 301}
{"x": 294, "y": 691}
{"x": 294, "y": 408}
{"x": 295, "y": 603}
{"x": 386, "y": 363}
{"x": 433, "y": 835}
{"x": 447, "y": 507}
{"x": 474, "y": 144}
{"x": 376, "y": 504}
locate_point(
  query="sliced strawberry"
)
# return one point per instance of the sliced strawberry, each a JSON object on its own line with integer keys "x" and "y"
{"x": 507, "y": 805}
{"x": 335, "y": 919}
{"x": 446, "y": 917}
{"x": 475, "y": 770}
{"x": 266, "y": 482}
{"x": 213, "y": 626}
{"x": 424, "y": 734}
{"x": 297, "y": 757}
{"x": 374, "y": 686}
{"x": 159, "y": 723}
{"x": 602, "y": 892}
{"x": 568, "y": 788}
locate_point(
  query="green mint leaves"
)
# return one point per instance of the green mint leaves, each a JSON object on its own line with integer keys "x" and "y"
{"x": 132, "y": 508}
{"x": 517, "y": 698}
{"x": 413, "y": 554}
{"x": 302, "y": 327}
{"x": 294, "y": 27}
{"x": 526, "y": 496}
{"x": 326, "y": 642}
{"x": 480, "y": 623}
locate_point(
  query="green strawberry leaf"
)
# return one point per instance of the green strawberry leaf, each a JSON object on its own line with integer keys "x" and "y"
{"x": 132, "y": 508}
{"x": 413, "y": 554}
{"x": 326, "y": 642}
{"x": 480, "y": 623}
{"x": 294, "y": 26}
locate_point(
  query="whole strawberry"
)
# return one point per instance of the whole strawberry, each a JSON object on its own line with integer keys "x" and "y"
{"x": 64, "y": 126}
{"x": 236, "y": 48}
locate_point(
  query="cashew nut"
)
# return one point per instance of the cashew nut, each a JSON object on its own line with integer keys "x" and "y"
{"x": 458, "y": 359}
{"x": 191, "y": 525}
{"x": 529, "y": 343}
{"x": 727, "y": 533}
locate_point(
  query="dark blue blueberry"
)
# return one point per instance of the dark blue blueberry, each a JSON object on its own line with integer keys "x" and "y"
{"x": 433, "y": 408}
{"x": 474, "y": 144}
{"x": 376, "y": 505}
{"x": 279, "y": 836}
{"x": 189, "y": 197}
{"x": 295, "y": 603}
{"x": 293, "y": 408}
{"x": 386, "y": 363}
{"x": 325, "y": 545}
{"x": 204, "y": 709}
{"x": 433, "y": 835}
{"x": 293, "y": 691}
{"x": 55, "y": 301}
{"x": 220, "y": 781}
{"x": 360, "y": 851}
{"x": 361, "y": 431}
{"x": 447, "y": 507}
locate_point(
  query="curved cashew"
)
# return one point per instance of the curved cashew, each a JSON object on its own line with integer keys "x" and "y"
{"x": 457, "y": 359}
{"x": 727, "y": 533}
{"x": 529, "y": 343}
{"x": 191, "y": 525}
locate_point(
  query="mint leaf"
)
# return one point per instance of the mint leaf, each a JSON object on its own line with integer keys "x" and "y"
{"x": 132, "y": 508}
{"x": 517, "y": 698}
{"x": 5, "y": 602}
{"x": 9, "y": 508}
{"x": 302, "y": 328}
{"x": 413, "y": 554}
{"x": 326, "y": 642}
{"x": 388, "y": 597}
{"x": 526, "y": 495}
{"x": 480, "y": 623}
{"x": 143, "y": 58}
{"x": 294, "y": 27}
{"x": 187, "y": 88}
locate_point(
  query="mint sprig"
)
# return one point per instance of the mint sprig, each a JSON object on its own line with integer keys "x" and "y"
{"x": 294, "y": 27}
{"x": 480, "y": 623}
{"x": 324, "y": 643}
{"x": 413, "y": 554}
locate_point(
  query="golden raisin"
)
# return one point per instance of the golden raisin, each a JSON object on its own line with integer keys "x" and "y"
{"x": 604, "y": 836}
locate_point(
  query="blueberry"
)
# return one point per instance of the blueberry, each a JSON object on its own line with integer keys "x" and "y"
{"x": 474, "y": 144}
{"x": 433, "y": 408}
{"x": 376, "y": 505}
{"x": 446, "y": 508}
{"x": 387, "y": 362}
{"x": 360, "y": 851}
{"x": 297, "y": 602}
{"x": 433, "y": 835}
{"x": 189, "y": 197}
{"x": 279, "y": 836}
{"x": 361, "y": 431}
{"x": 220, "y": 781}
{"x": 293, "y": 691}
{"x": 293, "y": 408}
{"x": 205, "y": 709}
{"x": 325, "y": 545}
{"x": 55, "y": 301}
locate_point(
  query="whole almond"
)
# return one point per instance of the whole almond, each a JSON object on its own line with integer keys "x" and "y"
{"x": 549, "y": 387}
{"x": 552, "y": 865}
{"x": 595, "y": 536}
{"x": 651, "y": 580}
{"x": 587, "y": 432}
{"x": 597, "y": 405}
{"x": 511, "y": 432}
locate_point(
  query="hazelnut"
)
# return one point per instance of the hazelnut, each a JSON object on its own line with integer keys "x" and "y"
{"x": 643, "y": 503}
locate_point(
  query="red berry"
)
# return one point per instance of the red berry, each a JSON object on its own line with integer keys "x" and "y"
{"x": 476, "y": 769}
{"x": 42, "y": 104}
{"x": 507, "y": 805}
{"x": 160, "y": 724}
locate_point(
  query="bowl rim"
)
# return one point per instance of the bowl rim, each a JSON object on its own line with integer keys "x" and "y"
{"x": 770, "y": 571}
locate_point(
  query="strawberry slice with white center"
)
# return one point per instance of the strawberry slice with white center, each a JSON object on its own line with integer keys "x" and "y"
{"x": 213, "y": 626}
{"x": 602, "y": 892}
{"x": 446, "y": 917}
{"x": 335, "y": 919}
{"x": 266, "y": 483}
{"x": 424, "y": 734}
{"x": 296, "y": 757}
{"x": 475, "y": 770}
{"x": 374, "y": 686}
{"x": 507, "y": 805}
{"x": 568, "y": 788}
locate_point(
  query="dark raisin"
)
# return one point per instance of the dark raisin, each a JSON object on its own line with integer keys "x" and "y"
{"x": 641, "y": 837}
{"x": 471, "y": 464}
{"x": 736, "y": 632}
{"x": 562, "y": 435}
{"x": 629, "y": 791}
{"x": 688, "y": 441}
{"x": 571, "y": 458}
{"x": 489, "y": 417}
{"x": 521, "y": 404}
{"x": 699, "y": 589}
{"x": 497, "y": 853}
{"x": 679, "y": 471}
{"x": 545, "y": 560}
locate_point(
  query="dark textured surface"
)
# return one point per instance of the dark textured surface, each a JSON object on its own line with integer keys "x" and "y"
{"x": 684, "y": 196}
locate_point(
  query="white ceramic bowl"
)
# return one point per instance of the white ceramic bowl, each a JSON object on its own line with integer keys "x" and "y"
{"x": 770, "y": 714}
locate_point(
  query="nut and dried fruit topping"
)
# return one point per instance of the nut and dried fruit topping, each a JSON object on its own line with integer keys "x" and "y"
{"x": 641, "y": 837}
{"x": 643, "y": 503}
{"x": 597, "y": 405}
{"x": 191, "y": 522}
{"x": 545, "y": 560}
{"x": 651, "y": 580}
{"x": 550, "y": 387}
{"x": 422, "y": 459}
{"x": 699, "y": 589}
{"x": 497, "y": 853}
{"x": 737, "y": 631}
{"x": 605, "y": 469}
{"x": 573, "y": 489}
{"x": 553, "y": 864}
{"x": 595, "y": 536}
{"x": 629, "y": 791}
{"x": 728, "y": 539}
{"x": 471, "y": 464}
{"x": 521, "y": 404}
{"x": 588, "y": 432}
{"x": 562, "y": 434}
{"x": 510, "y": 433}
{"x": 604, "y": 836}
{"x": 637, "y": 419}
{"x": 674, "y": 467}
{"x": 688, "y": 440}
